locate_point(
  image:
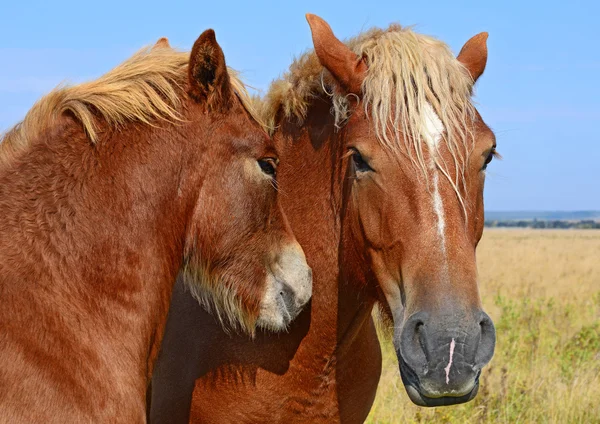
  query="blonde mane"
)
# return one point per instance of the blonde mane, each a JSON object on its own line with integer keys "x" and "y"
{"x": 145, "y": 88}
{"x": 406, "y": 73}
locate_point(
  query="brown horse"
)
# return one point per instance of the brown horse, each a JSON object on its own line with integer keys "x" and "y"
{"x": 384, "y": 159}
{"x": 107, "y": 191}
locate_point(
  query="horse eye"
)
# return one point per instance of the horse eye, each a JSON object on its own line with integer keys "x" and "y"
{"x": 359, "y": 163}
{"x": 493, "y": 153}
{"x": 268, "y": 166}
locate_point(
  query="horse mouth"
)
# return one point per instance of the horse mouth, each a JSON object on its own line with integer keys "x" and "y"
{"x": 416, "y": 395}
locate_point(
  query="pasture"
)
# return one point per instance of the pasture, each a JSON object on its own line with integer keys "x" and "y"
{"x": 542, "y": 289}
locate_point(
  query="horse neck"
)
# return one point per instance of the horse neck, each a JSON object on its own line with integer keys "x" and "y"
{"x": 311, "y": 180}
{"x": 101, "y": 230}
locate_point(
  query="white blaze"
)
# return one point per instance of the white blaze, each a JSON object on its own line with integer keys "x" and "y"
{"x": 438, "y": 207}
{"x": 434, "y": 130}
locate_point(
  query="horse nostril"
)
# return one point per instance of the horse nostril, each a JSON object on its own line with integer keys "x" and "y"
{"x": 419, "y": 333}
{"x": 418, "y": 326}
{"x": 290, "y": 300}
{"x": 485, "y": 320}
{"x": 487, "y": 342}
{"x": 413, "y": 341}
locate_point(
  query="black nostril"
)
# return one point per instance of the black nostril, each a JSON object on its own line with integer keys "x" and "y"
{"x": 421, "y": 338}
{"x": 413, "y": 344}
{"x": 419, "y": 332}
{"x": 487, "y": 342}
{"x": 485, "y": 320}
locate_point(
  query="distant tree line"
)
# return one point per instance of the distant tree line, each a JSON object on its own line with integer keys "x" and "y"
{"x": 583, "y": 224}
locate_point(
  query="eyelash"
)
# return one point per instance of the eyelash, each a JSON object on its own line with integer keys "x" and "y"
{"x": 268, "y": 166}
{"x": 359, "y": 163}
{"x": 493, "y": 154}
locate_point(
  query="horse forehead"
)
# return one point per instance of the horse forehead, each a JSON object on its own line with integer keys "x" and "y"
{"x": 253, "y": 146}
{"x": 433, "y": 127}
{"x": 484, "y": 133}
{"x": 246, "y": 135}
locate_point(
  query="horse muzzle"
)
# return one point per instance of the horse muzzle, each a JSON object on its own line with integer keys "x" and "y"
{"x": 441, "y": 359}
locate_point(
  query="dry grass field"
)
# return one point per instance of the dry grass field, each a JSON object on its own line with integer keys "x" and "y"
{"x": 542, "y": 289}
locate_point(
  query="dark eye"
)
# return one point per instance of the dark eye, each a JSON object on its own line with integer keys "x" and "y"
{"x": 359, "y": 163}
{"x": 493, "y": 153}
{"x": 488, "y": 160}
{"x": 268, "y": 166}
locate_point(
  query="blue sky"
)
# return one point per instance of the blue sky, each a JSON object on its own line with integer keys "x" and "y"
{"x": 540, "y": 92}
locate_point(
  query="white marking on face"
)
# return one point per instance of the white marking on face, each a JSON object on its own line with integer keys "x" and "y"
{"x": 438, "y": 207}
{"x": 447, "y": 369}
{"x": 435, "y": 129}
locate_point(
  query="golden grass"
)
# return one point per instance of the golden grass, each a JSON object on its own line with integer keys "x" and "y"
{"x": 542, "y": 289}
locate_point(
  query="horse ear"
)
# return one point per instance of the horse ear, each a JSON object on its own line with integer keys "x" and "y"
{"x": 473, "y": 55}
{"x": 162, "y": 43}
{"x": 207, "y": 73}
{"x": 346, "y": 67}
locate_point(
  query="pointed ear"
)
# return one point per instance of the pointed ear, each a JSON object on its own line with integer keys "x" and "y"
{"x": 162, "y": 43}
{"x": 207, "y": 73}
{"x": 473, "y": 55}
{"x": 346, "y": 67}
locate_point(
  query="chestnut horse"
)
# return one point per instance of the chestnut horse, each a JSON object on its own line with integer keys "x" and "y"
{"x": 107, "y": 190}
{"x": 384, "y": 159}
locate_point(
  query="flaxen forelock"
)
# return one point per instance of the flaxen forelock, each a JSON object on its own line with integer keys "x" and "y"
{"x": 406, "y": 71}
